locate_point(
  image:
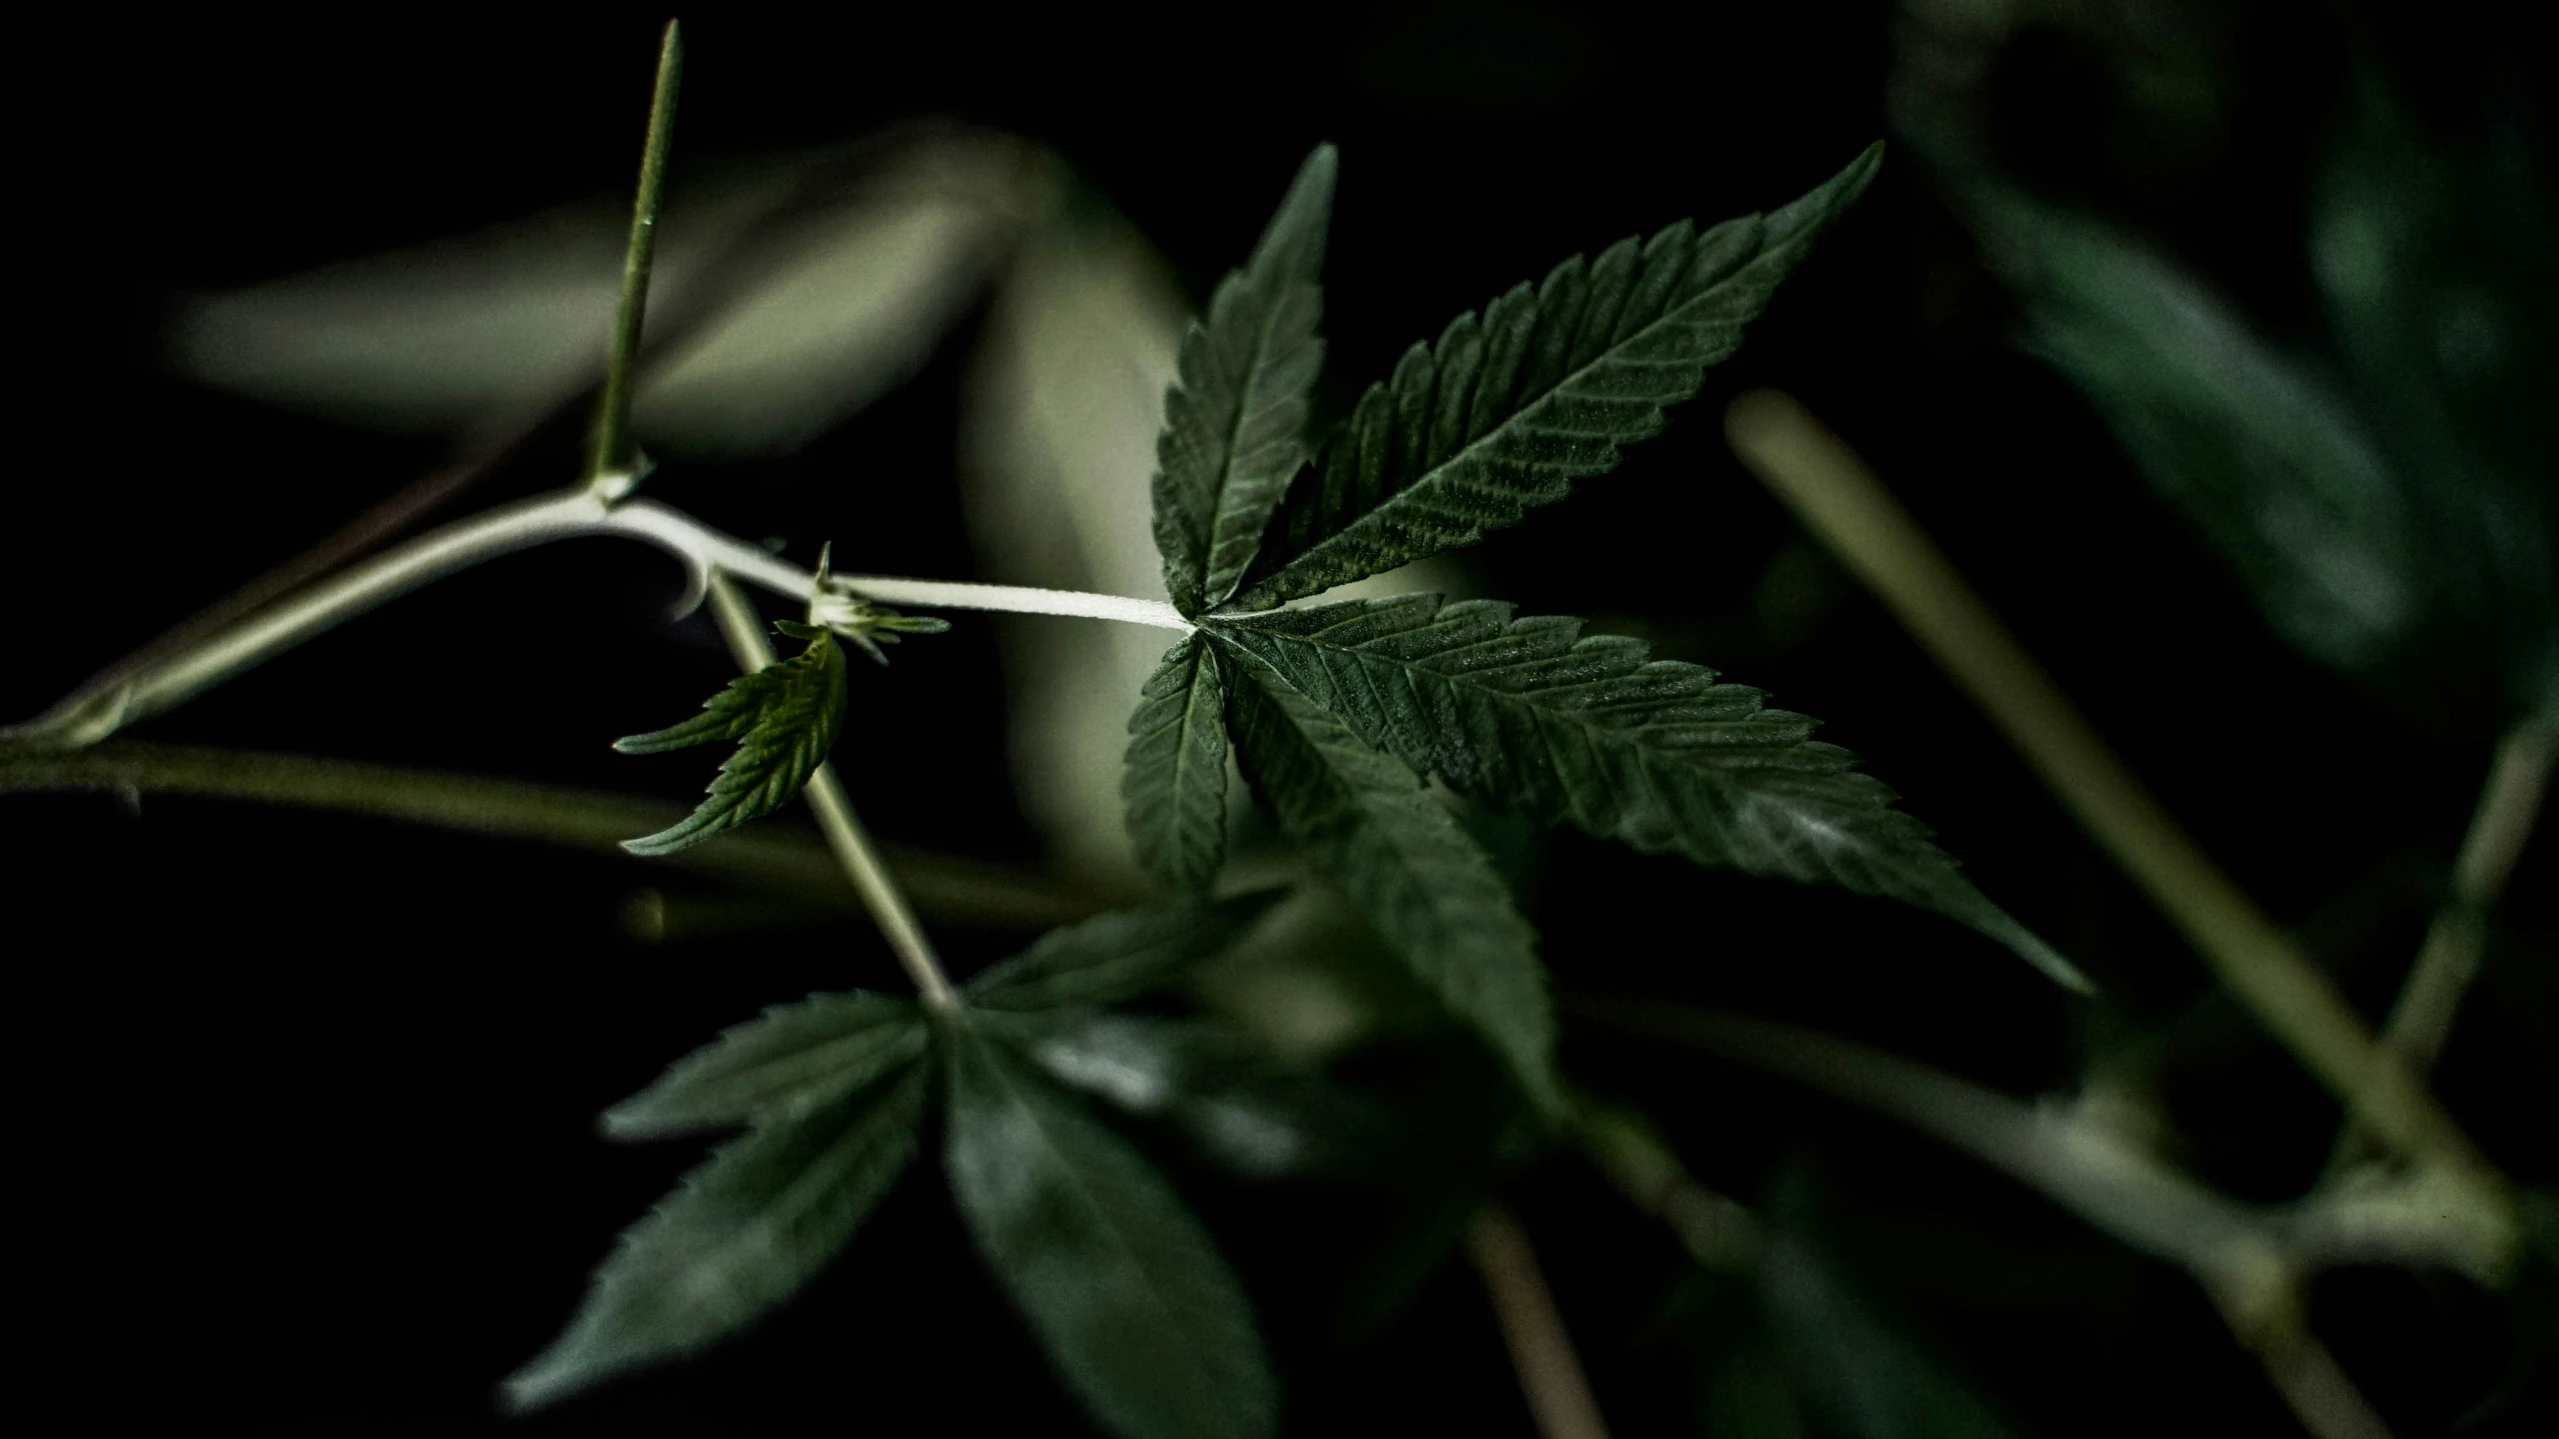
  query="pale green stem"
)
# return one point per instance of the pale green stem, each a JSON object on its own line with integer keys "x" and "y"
{"x": 743, "y": 628}
{"x": 1840, "y": 500}
{"x": 2250, "y": 1261}
{"x": 2422, "y": 1019}
{"x": 92, "y": 713}
{"x": 1550, "y": 1372}
{"x": 1714, "y": 1228}
{"x": 769, "y": 860}
{"x": 609, "y": 461}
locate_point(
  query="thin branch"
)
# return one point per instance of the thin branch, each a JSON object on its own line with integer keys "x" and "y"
{"x": 2421, "y": 1020}
{"x": 609, "y": 463}
{"x": 88, "y": 715}
{"x": 763, "y": 858}
{"x": 1840, "y": 500}
{"x": 1716, "y": 1230}
{"x": 743, "y": 628}
{"x": 1550, "y": 1373}
{"x": 2244, "y": 1258}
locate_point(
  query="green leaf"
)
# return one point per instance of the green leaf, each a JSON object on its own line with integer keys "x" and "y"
{"x": 1530, "y": 715}
{"x": 1398, "y": 853}
{"x": 785, "y": 718}
{"x": 794, "y": 1060}
{"x": 1112, "y": 958}
{"x": 1235, "y": 417}
{"x": 1504, "y": 414}
{"x": 1133, "y": 1302}
{"x": 1234, "y": 1103}
{"x": 1175, "y": 785}
{"x": 2258, "y": 451}
{"x": 738, "y": 1236}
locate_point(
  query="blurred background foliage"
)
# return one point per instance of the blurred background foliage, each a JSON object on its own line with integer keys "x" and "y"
{"x": 2212, "y": 340}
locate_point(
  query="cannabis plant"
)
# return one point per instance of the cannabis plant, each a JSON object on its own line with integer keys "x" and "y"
{"x": 1380, "y": 735}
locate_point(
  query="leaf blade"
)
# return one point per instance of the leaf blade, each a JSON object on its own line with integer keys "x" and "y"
{"x": 1133, "y": 1302}
{"x": 1115, "y": 957}
{"x": 1502, "y": 414}
{"x": 1174, "y": 788}
{"x": 1530, "y": 714}
{"x": 786, "y": 1063}
{"x": 1403, "y": 859}
{"x": 785, "y": 717}
{"x": 1235, "y": 416}
{"x": 739, "y": 1234}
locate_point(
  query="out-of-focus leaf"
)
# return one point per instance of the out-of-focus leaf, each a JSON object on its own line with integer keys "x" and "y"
{"x": 1237, "y": 1106}
{"x": 738, "y": 1236}
{"x": 782, "y": 1065}
{"x": 2438, "y": 278}
{"x": 1175, "y": 787}
{"x": 1235, "y": 423}
{"x": 793, "y": 291}
{"x": 1853, "y": 1366}
{"x": 2261, "y": 454}
{"x": 1057, "y": 436}
{"x": 1398, "y": 853}
{"x": 785, "y": 717}
{"x": 1531, "y": 715}
{"x": 1118, "y": 1279}
{"x": 1112, "y": 958}
{"x": 1504, "y": 414}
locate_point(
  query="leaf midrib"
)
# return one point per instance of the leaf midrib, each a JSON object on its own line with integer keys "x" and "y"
{"x": 1432, "y": 475}
{"x": 994, "y": 1064}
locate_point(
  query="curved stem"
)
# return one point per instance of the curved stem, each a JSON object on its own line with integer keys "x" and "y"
{"x": 93, "y": 712}
{"x": 743, "y": 628}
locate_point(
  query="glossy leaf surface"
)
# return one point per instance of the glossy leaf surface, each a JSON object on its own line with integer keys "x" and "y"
{"x": 1134, "y": 1304}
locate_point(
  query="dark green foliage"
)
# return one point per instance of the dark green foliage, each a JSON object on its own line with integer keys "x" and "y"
{"x": 1113, "y": 958}
{"x": 739, "y": 1235}
{"x": 1502, "y": 414}
{"x": 785, "y": 718}
{"x": 1175, "y": 784}
{"x": 1531, "y": 715}
{"x": 1235, "y": 418}
{"x": 2383, "y": 514}
{"x": 1373, "y": 830}
{"x": 2257, "y": 448}
{"x": 794, "y": 1059}
{"x": 1139, "y": 1312}
{"x": 1232, "y": 1103}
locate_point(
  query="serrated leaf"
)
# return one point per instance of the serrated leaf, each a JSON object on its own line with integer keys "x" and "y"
{"x": 1235, "y": 418}
{"x": 1234, "y": 1103}
{"x": 738, "y": 1236}
{"x": 1175, "y": 785}
{"x": 1123, "y": 1287}
{"x": 1531, "y": 715}
{"x": 1398, "y": 853}
{"x": 793, "y": 1060}
{"x": 1113, "y": 958}
{"x": 785, "y": 718}
{"x": 1504, "y": 413}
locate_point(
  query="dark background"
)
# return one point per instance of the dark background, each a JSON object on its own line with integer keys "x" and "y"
{"x": 310, "y": 1098}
